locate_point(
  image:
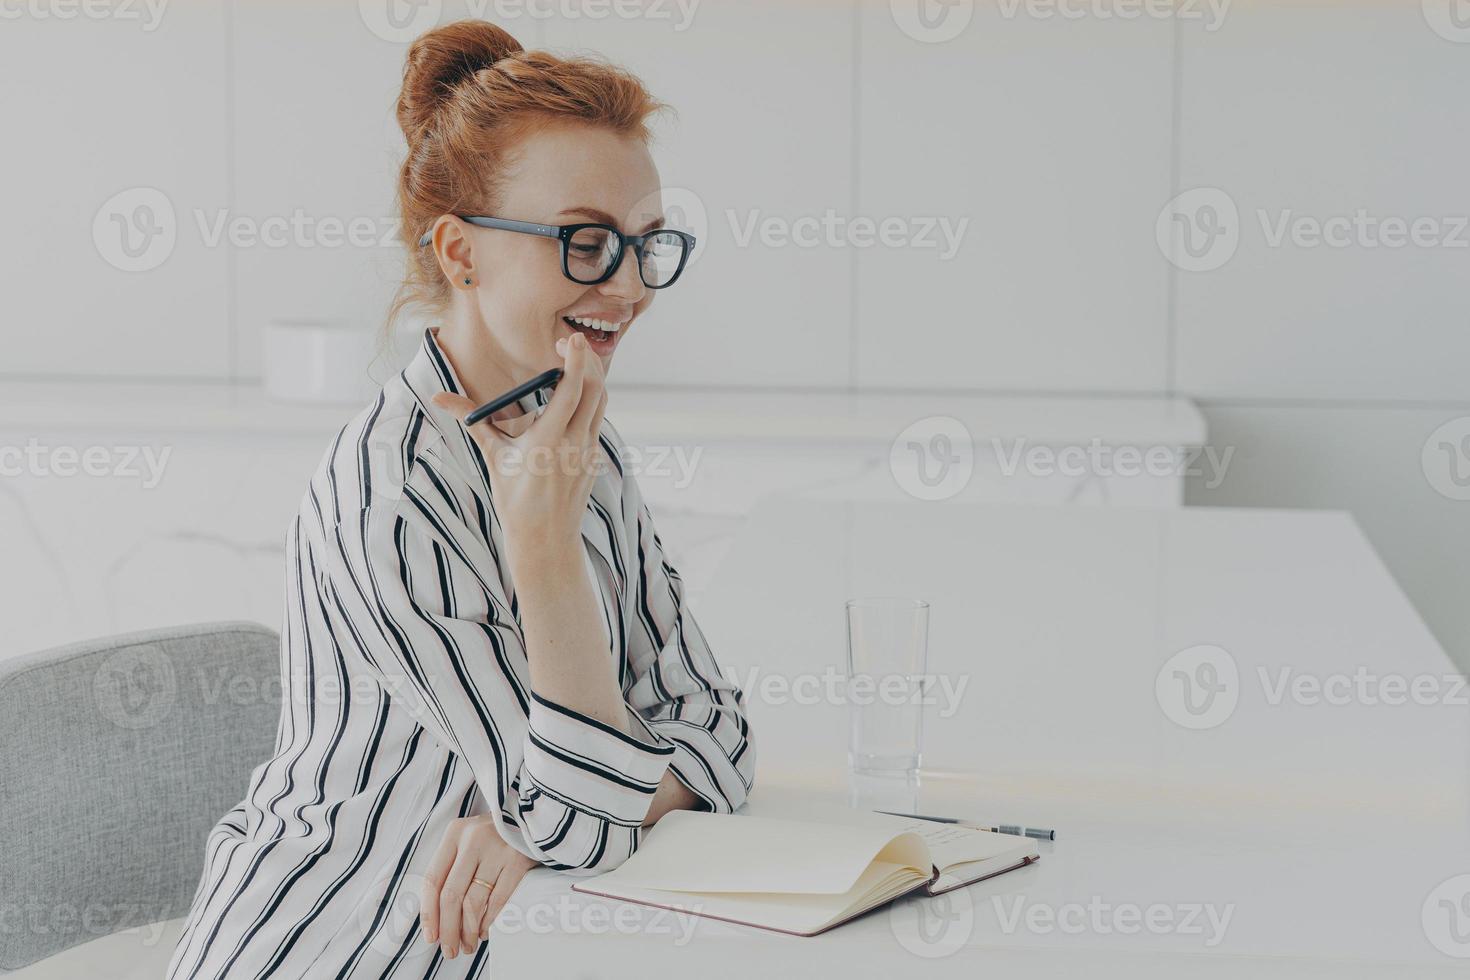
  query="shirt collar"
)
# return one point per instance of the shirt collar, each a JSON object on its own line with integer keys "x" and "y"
{"x": 430, "y": 371}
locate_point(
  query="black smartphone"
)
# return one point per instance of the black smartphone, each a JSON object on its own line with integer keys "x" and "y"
{"x": 547, "y": 379}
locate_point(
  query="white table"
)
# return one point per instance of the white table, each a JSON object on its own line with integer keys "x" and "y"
{"x": 1324, "y": 831}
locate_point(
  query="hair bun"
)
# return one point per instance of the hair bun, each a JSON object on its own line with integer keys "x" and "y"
{"x": 441, "y": 59}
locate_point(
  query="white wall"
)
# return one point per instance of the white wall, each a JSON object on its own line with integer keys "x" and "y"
{"x": 1058, "y": 139}
{"x": 1330, "y": 367}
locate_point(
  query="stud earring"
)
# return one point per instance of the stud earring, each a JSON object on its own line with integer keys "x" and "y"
{"x": 466, "y": 280}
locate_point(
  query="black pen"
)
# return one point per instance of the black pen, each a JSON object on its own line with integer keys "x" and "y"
{"x": 1035, "y": 833}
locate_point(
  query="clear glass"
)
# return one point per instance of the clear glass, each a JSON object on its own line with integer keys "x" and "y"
{"x": 887, "y": 677}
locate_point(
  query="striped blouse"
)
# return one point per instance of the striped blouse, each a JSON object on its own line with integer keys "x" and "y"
{"x": 408, "y": 704}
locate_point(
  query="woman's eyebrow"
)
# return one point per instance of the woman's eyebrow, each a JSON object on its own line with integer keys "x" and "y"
{"x": 603, "y": 218}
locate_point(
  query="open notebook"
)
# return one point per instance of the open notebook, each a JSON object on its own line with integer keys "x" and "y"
{"x": 801, "y": 877}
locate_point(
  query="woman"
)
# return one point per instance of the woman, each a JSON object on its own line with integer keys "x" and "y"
{"x": 488, "y": 658}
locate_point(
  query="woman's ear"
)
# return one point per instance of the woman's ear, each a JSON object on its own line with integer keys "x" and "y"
{"x": 454, "y": 251}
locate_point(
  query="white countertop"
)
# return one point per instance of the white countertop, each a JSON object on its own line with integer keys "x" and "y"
{"x": 1322, "y": 829}
{"x": 641, "y": 413}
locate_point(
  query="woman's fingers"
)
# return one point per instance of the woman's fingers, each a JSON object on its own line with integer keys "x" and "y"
{"x": 452, "y": 898}
{"x": 598, "y": 415}
{"x": 433, "y": 884}
{"x": 585, "y": 419}
{"x": 568, "y": 391}
{"x": 477, "y": 902}
{"x": 510, "y": 876}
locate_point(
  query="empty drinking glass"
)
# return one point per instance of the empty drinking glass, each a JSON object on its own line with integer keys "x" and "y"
{"x": 887, "y": 653}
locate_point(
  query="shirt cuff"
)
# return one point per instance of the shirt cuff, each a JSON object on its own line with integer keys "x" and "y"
{"x": 690, "y": 768}
{"x": 593, "y": 767}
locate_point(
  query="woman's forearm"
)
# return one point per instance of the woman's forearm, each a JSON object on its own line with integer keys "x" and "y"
{"x": 566, "y": 646}
{"x": 570, "y": 662}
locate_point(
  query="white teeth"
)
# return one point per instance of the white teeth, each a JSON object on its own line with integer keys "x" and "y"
{"x": 595, "y": 324}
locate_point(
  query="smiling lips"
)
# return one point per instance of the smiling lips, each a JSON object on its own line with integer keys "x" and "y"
{"x": 602, "y": 334}
{"x": 593, "y": 323}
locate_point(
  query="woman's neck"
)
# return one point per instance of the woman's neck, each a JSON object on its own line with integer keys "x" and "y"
{"x": 479, "y": 365}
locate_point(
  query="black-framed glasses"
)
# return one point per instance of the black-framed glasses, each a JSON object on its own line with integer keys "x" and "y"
{"x": 591, "y": 253}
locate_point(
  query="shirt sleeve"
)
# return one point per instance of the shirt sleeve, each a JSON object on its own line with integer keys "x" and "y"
{"x": 428, "y": 617}
{"x": 679, "y": 692}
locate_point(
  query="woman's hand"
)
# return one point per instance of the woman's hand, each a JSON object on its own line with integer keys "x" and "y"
{"x": 541, "y": 478}
{"x": 455, "y": 909}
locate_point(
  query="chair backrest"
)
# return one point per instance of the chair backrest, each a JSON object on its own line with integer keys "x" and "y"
{"x": 116, "y": 758}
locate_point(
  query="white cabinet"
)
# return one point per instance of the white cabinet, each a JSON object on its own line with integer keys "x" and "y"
{"x": 124, "y": 507}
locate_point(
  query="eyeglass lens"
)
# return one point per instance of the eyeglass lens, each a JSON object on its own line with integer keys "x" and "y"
{"x": 591, "y": 251}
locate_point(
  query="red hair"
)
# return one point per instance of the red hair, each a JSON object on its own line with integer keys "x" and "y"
{"x": 470, "y": 92}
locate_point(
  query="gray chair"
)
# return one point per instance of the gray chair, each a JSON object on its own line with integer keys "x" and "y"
{"x": 116, "y": 758}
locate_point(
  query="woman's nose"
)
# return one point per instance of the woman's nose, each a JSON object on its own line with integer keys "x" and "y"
{"x": 626, "y": 283}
